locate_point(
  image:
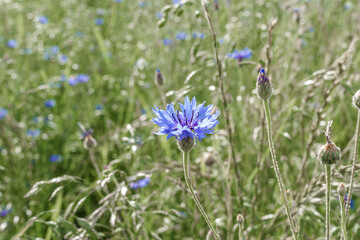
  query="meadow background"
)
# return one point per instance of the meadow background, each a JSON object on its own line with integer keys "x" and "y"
{"x": 66, "y": 64}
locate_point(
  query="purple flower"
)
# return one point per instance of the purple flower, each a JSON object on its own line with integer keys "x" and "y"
{"x": 118, "y": 0}
{"x": 3, "y": 113}
{"x": 50, "y": 103}
{"x": 5, "y": 211}
{"x": 33, "y": 133}
{"x": 99, "y": 107}
{"x": 55, "y": 158}
{"x": 43, "y": 19}
{"x": 167, "y": 41}
{"x": 140, "y": 183}
{"x": 99, "y": 21}
{"x": 82, "y": 78}
{"x": 72, "y": 81}
{"x": 240, "y": 55}
{"x": 11, "y": 43}
{"x": 191, "y": 122}
{"x": 181, "y": 35}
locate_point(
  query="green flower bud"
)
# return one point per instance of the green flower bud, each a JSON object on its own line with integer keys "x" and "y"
{"x": 329, "y": 153}
{"x": 263, "y": 85}
{"x": 341, "y": 190}
{"x": 186, "y": 144}
{"x": 356, "y": 100}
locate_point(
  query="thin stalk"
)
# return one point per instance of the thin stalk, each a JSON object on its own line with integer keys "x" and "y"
{"x": 186, "y": 157}
{"x": 356, "y": 146}
{"x": 240, "y": 232}
{"x": 327, "y": 200}
{"x": 277, "y": 171}
{"x": 342, "y": 211}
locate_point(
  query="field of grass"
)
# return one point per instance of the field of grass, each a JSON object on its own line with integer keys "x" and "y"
{"x": 73, "y": 72}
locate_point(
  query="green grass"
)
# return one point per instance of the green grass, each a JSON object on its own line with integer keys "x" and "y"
{"x": 121, "y": 57}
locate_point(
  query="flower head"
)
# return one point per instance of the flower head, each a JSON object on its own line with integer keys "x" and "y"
{"x": 99, "y": 21}
{"x": 11, "y": 43}
{"x": 50, "y": 103}
{"x": 240, "y": 55}
{"x": 43, "y": 19}
{"x": 191, "y": 122}
{"x": 140, "y": 183}
{"x": 263, "y": 85}
{"x": 55, "y": 158}
{"x": 5, "y": 211}
{"x": 3, "y": 113}
{"x": 33, "y": 133}
{"x": 181, "y": 35}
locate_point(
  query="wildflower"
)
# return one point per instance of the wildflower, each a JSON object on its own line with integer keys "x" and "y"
{"x": 240, "y": 55}
{"x": 89, "y": 141}
{"x": 3, "y": 113}
{"x": 347, "y": 5}
{"x": 72, "y": 81}
{"x": 82, "y": 78}
{"x": 142, "y": 4}
{"x": 180, "y": 2}
{"x": 192, "y": 122}
{"x": 99, "y": 107}
{"x": 11, "y": 43}
{"x": 140, "y": 183}
{"x": 201, "y": 35}
{"x": 33, "y": 133}
{"x": 5, "y": 211}
{"x": 118, "y": 0}
{"x": 55, "y": 158}
{"x": 50, "y": 103}
{"x": 263, "y": 85}
{"x": 159, "y": 79}
{"x": 240, "y": 219}
{"x": 181, "y": 35}
{"x": 159, "y": 15}
{"x": 62, "y": 58}
{"x": 100, "y": 11}
{"x": 329, "y": 153}
{"x": 167, "y": 41}
{"x": 43, "y": 19}
{"x": 99, "y": 21}
{"x": 341, "y": 190}
{"x": 221, "y": 41}
{"x": 352, "y": 204}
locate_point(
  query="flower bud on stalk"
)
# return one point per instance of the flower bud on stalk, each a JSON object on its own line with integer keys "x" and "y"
{"x": 341, "y": 190}
{"x": 159, "y": 79}
{"x": 263, "y": 85}
{"x": 356, "y": 100}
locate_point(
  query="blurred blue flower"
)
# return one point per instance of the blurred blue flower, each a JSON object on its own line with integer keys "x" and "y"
{"x": 192, "y": 121}
{"x": 3, "y": 113}
{"x": 311, "y": 29}
{"x": 181, "y": 35}
{"x": 167, "y": 41}
{"x": 240, "y": 55}
{"x": 118, "y": 0}
{"x": 78, "y": 34}
{"x": 43, "y": 19}
{"x": 55, "y": 158}
{"x": 5, "y": 211}
{"x": 201, "y": 35}
{"x": 54, "y": 50}
{"x": 99, "y": 21}
{"x": 82, "y": 78}
{"x": 100, "y": 11}
{"x": 347, "y": 5}
{"x": 27, "y": 51}
{"x": 142, "y": 4}
{"x": 72, "y": 81}
{"x": 159, "y": 15}
{"x": 221, "y": 41}
{"x": 12, "y": 43}
{"x": 99, "y": 107}
{"x": 63, "y": 59}
{"x": 352, "y": 203}
{"x": 180, "y": 2}
{"x": 33, "y": 133}
{"x": 49, "y": 103}
{"x": 140, "y": 183}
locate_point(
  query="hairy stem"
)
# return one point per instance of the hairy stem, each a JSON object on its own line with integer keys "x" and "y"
{"x": 327, "y": 200}
{"x": 240, "y": 231}
{"x": 356, "y": 146}
{"x": 343, "y": 223}
{"x": 186, "y": 157}
{"x": 277, "y": 171}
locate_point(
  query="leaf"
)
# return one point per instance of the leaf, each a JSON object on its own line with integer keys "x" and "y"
{"x": 85, "y": 225}
{"x": 161, "y": 23}
{"x": 67, "y": 225}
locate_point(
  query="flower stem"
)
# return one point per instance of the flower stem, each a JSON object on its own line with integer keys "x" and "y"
{"x": 277, "y": 171}
{"x": 240, "y": 232}
{"x": 327, "y": 200}
{"x": 186, "y": 157}
{"x": 343, "y": 223}
{"x": 356, "y": 146}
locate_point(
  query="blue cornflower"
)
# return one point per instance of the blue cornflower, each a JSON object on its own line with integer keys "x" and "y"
{"x": 54, "y": 50}
{"x": 201, "y": 35}
{"x": 63, "y": 77}
{"x": 99, "y": 21}
{"x": 82, "y": 78}
{"x": 49, "y": 103}
{"x": 240, "y": 55}
{"x": 99, "y": 107}
{"x": 167, "y": 41}
{"x": 72, "y": 81}
{"x": 33, "y": 133}
{"x": 55, "y": 158}
{"x": 352, "y": 204}
{"x": 43, "y": 19}
{"x": 181, "y": 35}
{"x": 63, "y": 58}
{"x": 118, "y": 0}
{"x": 140, "y": 183}
{"x": 5, "y": 211}
{"x": 3, "y": 113}
{"x": 159, "y": 15}
{"x": 100, "y": 11}
{"x": 191, "y": 122}
{"x": 221, "y": 41}
{"x": 142, "y": 4}
{"x": 180, "y": 2}
{"x": 12, "y": 43}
